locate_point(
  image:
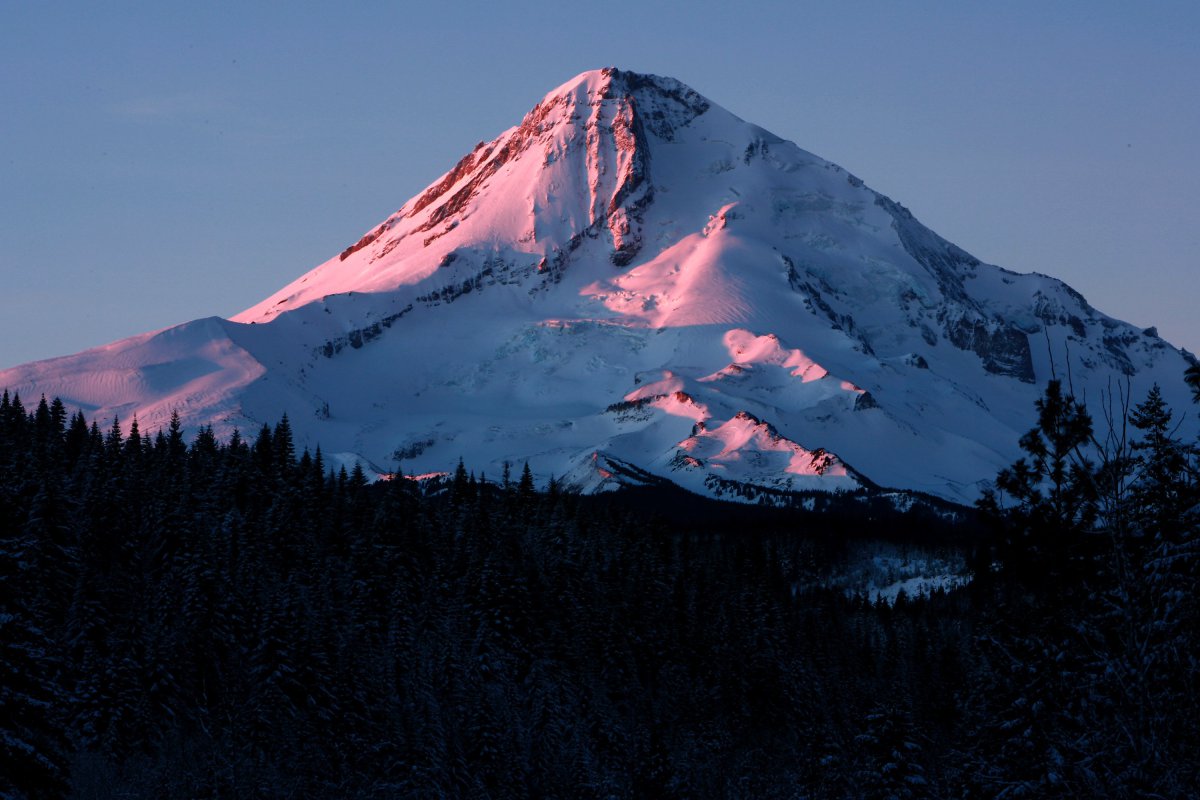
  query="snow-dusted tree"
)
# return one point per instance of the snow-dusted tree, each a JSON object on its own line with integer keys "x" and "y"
{"x": 1093, "y": 647}
{"x": 32, "y": 740}
{"x": 889, "y": 754}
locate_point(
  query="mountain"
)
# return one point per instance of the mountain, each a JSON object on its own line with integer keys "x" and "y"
{"x": 633, "y": 285}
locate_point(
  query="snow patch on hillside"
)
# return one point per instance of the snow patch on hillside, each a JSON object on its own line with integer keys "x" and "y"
{"x": 630, "y": 285}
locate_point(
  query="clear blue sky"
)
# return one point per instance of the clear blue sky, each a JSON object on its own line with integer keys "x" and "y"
{"x": 161, "y": 162}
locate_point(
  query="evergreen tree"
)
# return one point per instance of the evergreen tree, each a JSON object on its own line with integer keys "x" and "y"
{"x": 1163, "y": 494}
{"x": 890, "y": 754}
{"x": 283, "y": 448}
{"x": 1192, "y": 376}
{"x": 525, "y": 487}
{"x": 232, "y": 620}
{"x": 1053, "y": 490}
{"x": 1093, "y": 663}
{"x": 33, "y": 747}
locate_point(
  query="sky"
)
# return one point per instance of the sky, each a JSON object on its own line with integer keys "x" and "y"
{"x": 162, "y": 162}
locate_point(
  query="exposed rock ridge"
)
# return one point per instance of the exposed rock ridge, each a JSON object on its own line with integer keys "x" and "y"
{"x": 771, "y": 320}
{"x": 611, "y": 120}
{"x": 666, "y": 104}
{"x": 486, "y": 165}
{"x": 1002, "y": 347}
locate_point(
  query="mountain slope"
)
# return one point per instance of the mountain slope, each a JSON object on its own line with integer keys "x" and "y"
{"x": 633, "y": 281}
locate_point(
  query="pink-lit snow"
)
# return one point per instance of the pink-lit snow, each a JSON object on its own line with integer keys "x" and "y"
{"x": 633, "y": 275}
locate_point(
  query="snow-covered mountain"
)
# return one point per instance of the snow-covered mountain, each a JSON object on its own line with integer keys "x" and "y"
{"x": 634, "y": 282}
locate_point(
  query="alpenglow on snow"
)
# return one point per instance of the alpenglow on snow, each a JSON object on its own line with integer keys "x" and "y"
{"x": 633, "y": 284}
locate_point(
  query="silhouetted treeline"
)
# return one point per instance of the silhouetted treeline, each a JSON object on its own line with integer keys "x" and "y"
{"x": 213, "y": 618}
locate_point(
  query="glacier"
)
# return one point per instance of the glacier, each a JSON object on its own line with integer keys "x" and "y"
{"x": 633, "y": 284}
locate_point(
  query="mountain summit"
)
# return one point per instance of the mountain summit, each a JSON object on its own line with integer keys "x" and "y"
{"x": 634, "y": 284}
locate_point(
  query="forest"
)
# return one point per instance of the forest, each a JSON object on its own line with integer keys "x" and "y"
{"x": 213, "y": 618}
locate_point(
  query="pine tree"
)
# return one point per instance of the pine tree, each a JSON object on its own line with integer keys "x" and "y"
{"x": 459, "y": 483}
{"x": 77, "y": 441}
{"x": 1096, "y": 660}
{"x": 263, "y": 451}
{"x": 283, "y": 448}
{"x": 1155, "y": 607}
{"x": 32, "y": 703}
{"x": 525, "y": 487}
{"x": 1053, "y": 488}
{"x": 891, "y": 756}
{"x": 1163, "y": 493}
{"x": 1192, "y": 376}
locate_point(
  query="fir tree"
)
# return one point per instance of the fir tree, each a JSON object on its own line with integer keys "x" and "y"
{"x": 33, "y": 747}
{"x": 1192, "y": 376}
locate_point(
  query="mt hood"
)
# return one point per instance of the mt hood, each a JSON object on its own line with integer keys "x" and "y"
{"x": 635, "y": 285}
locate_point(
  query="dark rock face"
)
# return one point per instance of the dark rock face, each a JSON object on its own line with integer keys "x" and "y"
{"x": 361, "y": 243}
{"x": 360, "y": 336}
{"x": 947, "y": 263}
{"x": 1116, "y": 345}
{"x": 916, "y": 360}
{"x": 644, "y": 103}
{"x": 802, "y": 284}
{"x": 463, "y": 168}
{"x": 665, "y": 103}
{"x": 865, "y": 401}
{"x": 624, "y": 212}
{"x": 1003, "y": 349}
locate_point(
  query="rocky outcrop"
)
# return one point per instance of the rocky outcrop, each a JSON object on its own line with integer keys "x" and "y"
{"x": 360, "y": 336}
{"x": 367, "y": 239}
{"x": 1003, "y": 348}
{"x": 666, "y": 104}
{"x": 946, "y": 262}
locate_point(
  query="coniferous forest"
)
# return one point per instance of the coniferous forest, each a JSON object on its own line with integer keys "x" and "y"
{"x": 212, "y": 618}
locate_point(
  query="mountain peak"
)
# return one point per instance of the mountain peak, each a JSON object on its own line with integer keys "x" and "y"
{"x": 610, "y": 83}
{"x": 577, "y": 165}
{"x": 634, "y": 281}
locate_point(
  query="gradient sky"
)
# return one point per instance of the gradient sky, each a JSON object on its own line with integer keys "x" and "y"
{"x": 161, "y": 162}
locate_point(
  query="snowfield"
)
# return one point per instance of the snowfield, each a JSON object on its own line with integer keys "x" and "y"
{"x": 633, "y": 280}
